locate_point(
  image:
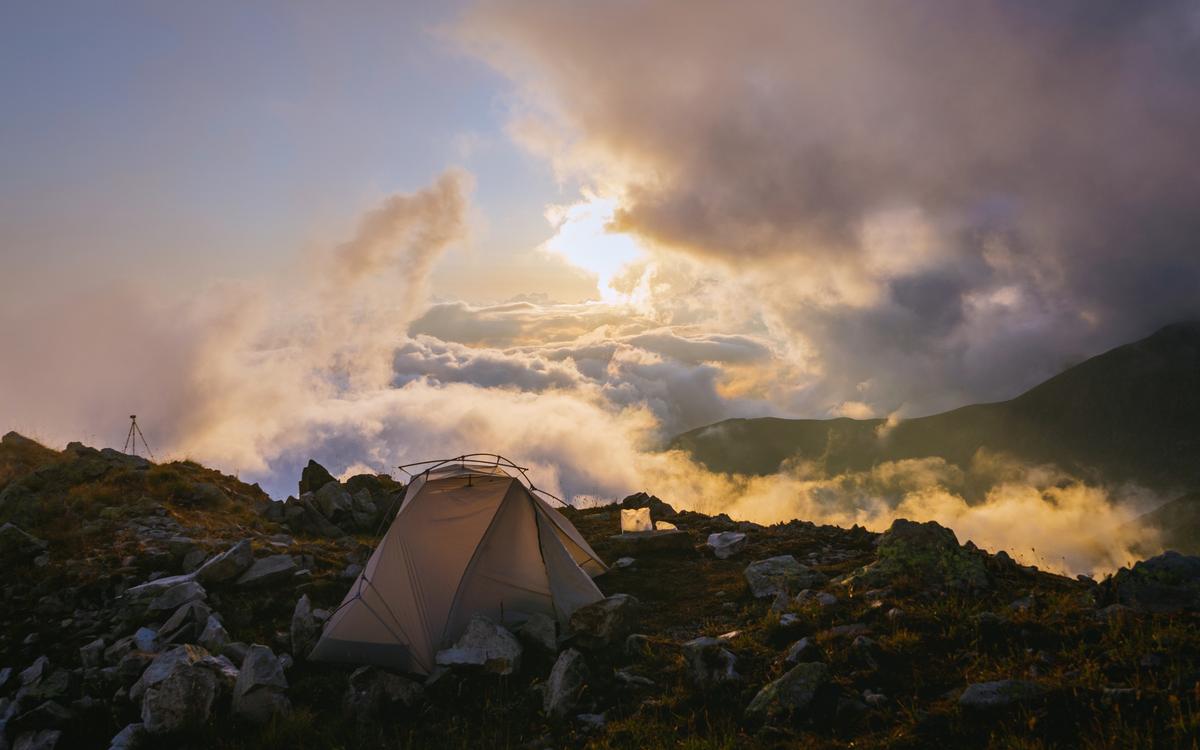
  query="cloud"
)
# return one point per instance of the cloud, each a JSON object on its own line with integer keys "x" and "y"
{"x": 959, "y": 198}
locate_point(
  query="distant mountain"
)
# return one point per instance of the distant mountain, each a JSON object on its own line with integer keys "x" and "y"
{"x": 1132, "y": 413}
{"x": 1178, "y": 524}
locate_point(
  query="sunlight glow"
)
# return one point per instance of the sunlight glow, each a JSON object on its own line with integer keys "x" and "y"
{"x": 583, "y": 238}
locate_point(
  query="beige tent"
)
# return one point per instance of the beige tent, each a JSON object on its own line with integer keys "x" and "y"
{"x": 469, "y": 538}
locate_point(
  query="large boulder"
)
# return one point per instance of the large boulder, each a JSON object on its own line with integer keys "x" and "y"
{"x": 484, "y": 644}
{"x": 260, "y": 691}
{"x": 567, "y": 680}
{"x": 726, "y": 544}
{"x": 16, "y": 545}
{"x": 268, "y": 571}
{"x": 144, "y": 592}
{"x": 925, "y": 553}
{"x": 605, "y": 622}
{"x": 539, "y": 632}
{"x": 313, "y": 477}
{"x": 659, "y": 511}
{"x": 304, "y": 629}
{"x": 333, "y": 500}
{"x": 780, "y": 575}
{"x": 709, "y": 662}
{"x": 226, "y": 566}
{"x": 792, "y": 695}
{"x": 1167, "y": 583}
{"x": 177, "y": 690}
{"x": 185, "y": 624}
{"x": 177, "y": 596}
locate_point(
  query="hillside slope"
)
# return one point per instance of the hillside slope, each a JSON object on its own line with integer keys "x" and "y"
{"x": 133, "y": 593}
{"x": 1132, "y": 413}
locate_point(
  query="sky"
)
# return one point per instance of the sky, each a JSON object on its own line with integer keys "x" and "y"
{"x": 377, "y": 232}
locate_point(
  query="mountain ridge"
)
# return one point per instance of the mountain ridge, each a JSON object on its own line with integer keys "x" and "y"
{"x": 1131, "y": 413}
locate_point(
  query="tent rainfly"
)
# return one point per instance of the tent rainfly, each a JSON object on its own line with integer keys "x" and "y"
{"x": 470, "y": 538}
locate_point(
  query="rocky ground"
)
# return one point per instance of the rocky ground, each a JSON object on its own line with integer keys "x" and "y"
{"x": 168, "y": 605}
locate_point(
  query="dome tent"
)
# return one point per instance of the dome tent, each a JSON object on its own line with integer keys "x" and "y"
{"x": 470, "y": 538}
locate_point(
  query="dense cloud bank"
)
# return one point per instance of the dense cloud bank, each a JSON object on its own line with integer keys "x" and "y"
{"x": 945, "y": 202}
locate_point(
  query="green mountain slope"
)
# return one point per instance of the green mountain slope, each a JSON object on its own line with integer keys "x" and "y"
{"x": 1132, "y": 413}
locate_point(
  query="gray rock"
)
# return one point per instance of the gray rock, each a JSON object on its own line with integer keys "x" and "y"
{"x": 484, "y": 644}
{"x": 313, "y": 477}
{"x": 709, "y": 662}
{"x": 176, "y": 596}
{"x": 185, "y": 624}
{"x": 999, "y": 694}
{"x": 332, "y": 500}
{"x": 351, "y": 572}
{"x": 42, "y": 739}
{"x": 6, "y": 676}
{"x": 132, "y": 737}
{"x": 622, "y": 563}
{"x": 539, "y": 632}
{"x": 35, "y": 671}
{"x": 726, "y": 544}
{"x": 226, "y": 566}
{"x": 260, "y": 690}
{"x": 792, "y": 694}
{"x": 190, "y": 563}
{"x": 924, "y": 552}
{"x": 146, "y": 640}
{"x": 804, "y": 650}
{"x": 268, "y": 571}
{"x": 822, "y": 599}
{"x": 236, "y": 651}
{"x": 304, "y": 628}
{"x": 604, "y": 622}
{"x": 782, "y": 574}
{"x": 151, "y": 589}
{"x": 591, "y": 722}
{"x": 629, "y": 678}
{"x": 213, "y": 637}
{"x": 92, "y": 655}
{"x": 567, "y": 680}
{"x": 177, "y": 690}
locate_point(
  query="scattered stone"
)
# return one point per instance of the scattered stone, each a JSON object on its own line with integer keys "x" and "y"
{"x": 874, "y": 699}
{"x": 804, "y": 650}
{"x": 781, "y": 574}
{"x": 604, "y": 622}
{"x": 176, "y": 596}
{"x": 259, "y": 693}
{"x": 304, "y": 630}
{"x": 267, "y": 571}
{"x": 999, "y": 694}
{"x": 895, "y": 614}
{"x": 567, "y": 681}
{"x": 177, "y": 690}
{"x": 185, "y": 624}
{"x": 144, "y": 639}
{"x": 624, "y": 562}
{"x": 540, "y": 633}
{"x": 726, "y": 544}
{"x": 851, "y": 630}
{"x": 629, "y": 678}
{"x": 132, "y": 737}
{"x": 591, "y": 722}
{"x": 484, "y": 644}
{"x": 822, "y": 599}
{"x": 152, "y": 588}
{"x": 35, "y": 671}
{"x": 351, "y": 572}
{"x": 792, "y": 694}
{"x": 709, "y": 662}
{"x": 213, "y": 637}
{"x": 92, "y": 655}
{"x": 226, "y": 566}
